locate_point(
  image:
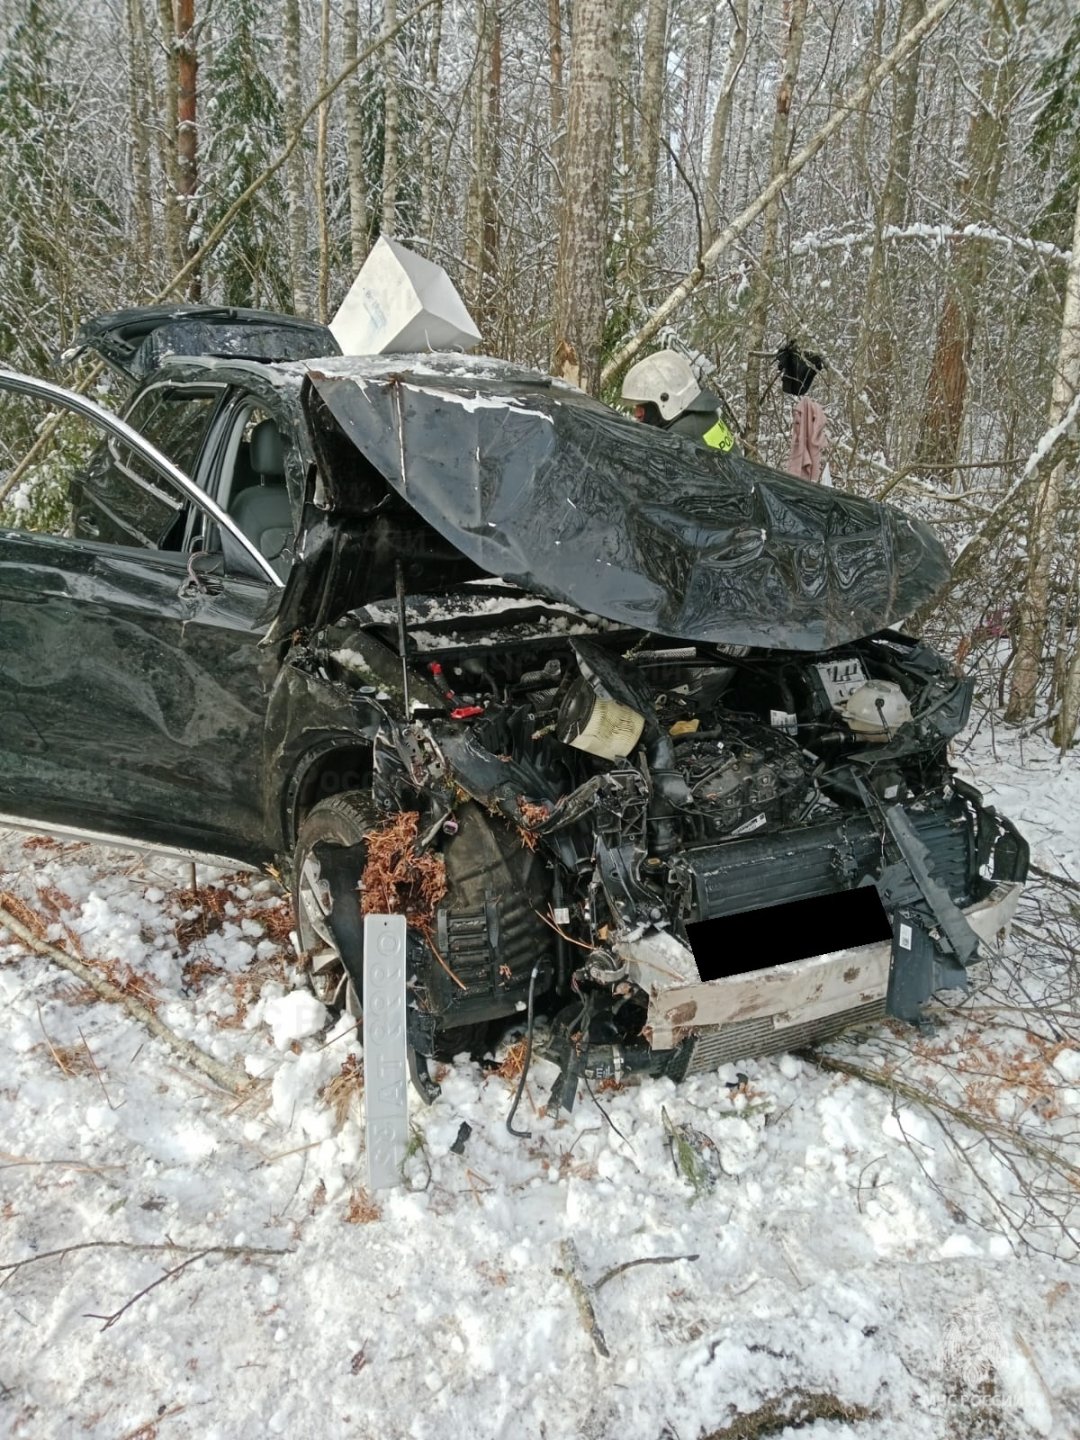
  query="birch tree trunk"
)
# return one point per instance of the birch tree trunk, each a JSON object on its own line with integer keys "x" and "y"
{"x": 759, "y": 312}
{"x": 187, "y": 135}
{"x": 722, "y": 115}
{"x": 322, "y": 292}
{"x": 946, "y": 390}
{"x": 294, "y": 170}
{"x": 354, "y": 143}
{"x": 1043, "y": 530}
{"x": 391, "y": 117}
{"x": 582, "y": 253}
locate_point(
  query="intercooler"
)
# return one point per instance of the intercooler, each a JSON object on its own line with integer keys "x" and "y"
{"x": 760, "y": 1036}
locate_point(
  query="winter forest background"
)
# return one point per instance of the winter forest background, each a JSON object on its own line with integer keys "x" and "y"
{"x": 570, "y": 163}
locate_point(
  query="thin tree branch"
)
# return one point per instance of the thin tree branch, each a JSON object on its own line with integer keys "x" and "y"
{"x": 896, "y": 56}
{"x": 223, "y": 1075}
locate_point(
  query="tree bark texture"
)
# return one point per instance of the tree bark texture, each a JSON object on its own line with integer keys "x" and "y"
{"x": 759, "y": 310}
{"x": 322, "y": 290}
{"x": 946, "y": 390}
{"x": 295, "y": 181}
{"x": 139, "y": 111}
{"x": 1043, "y": 529}
{"x": 722, "y": 115}
{"x": 187, "y": 134}
{"x": 582, "y": 253}
{"x": 391, "y": 120}
{"x": 354, "y": 143}
{"x": 647, "y": 153}
{"x": 173, "y": 233}
{"x": 876, "y": 359}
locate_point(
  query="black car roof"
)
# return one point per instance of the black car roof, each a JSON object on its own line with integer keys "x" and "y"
{"x": 137, "y": 341}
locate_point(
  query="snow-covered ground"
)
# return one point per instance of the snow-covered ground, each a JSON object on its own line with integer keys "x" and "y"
{"x": 847, "y": 1253}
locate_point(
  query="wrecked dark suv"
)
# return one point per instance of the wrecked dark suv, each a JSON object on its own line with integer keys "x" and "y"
{"x": 624, "y": 725}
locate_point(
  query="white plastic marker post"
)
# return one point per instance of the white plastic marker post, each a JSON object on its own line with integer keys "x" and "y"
{"x": 386, "y": 1077}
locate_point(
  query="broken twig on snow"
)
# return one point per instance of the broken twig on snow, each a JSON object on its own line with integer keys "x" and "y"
{"x": 223, "y": 1075}
{"x": 644, "y": 1260}
{"x": 583, "y": 1296}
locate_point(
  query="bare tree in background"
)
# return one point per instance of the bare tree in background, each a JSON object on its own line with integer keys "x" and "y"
{"x": 187, "y": 134}
{"x": 294, "y": 174}
{"x": 354, "y": 143}
{"x": 1043, "y": 529}
{"x": 946, "y": 391}
{"x": 142, "y": 106}
{"x": 433, "y": 49}
{"x": 876, "y": 356}
{"x": 647, "y": 151}
{"x": 482, "y": 214}
{"x": 322, "y": 121}
{"x": 721, "y": 120}
{"x": 391, "y": 118}
{"x": 580, "y": 272}
{"x": 781, "y": 132}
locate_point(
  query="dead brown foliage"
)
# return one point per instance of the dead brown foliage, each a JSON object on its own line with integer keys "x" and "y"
{"x": 397, "y": 880}
{"x": 513, "y": 1062}
{"x": 989, "y": 1070}
{"x": 208, "y": 902}
{"x": 340, "y": 1090}
{"x": 208, "y": 907}
{"x": 70, "y": 1059}
{"x": 794, "y": 1408}
{"x": 198, "y": 969}
{"x": 23, "y": 913}
{"x": 362, "y": 1209}
{"x": 115, "y": 971}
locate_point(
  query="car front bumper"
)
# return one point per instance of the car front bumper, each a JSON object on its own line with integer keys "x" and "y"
{"x": 783, "y": 1007}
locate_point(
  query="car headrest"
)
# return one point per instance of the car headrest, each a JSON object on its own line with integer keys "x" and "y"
{"x": 267, "y": 451}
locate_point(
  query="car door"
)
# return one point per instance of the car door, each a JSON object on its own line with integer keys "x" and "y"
{"x": 132, "y": 686}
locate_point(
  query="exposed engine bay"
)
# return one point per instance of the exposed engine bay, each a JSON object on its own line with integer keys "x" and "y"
{"x": 632, "y": 828}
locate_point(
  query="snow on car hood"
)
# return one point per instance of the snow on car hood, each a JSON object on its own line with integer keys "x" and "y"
{"x": 540, "y": 485}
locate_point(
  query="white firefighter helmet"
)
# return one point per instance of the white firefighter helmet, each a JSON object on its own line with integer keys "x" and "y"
{"x": 664, "y": 380}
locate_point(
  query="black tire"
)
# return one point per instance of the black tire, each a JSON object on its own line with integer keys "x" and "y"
{"x": 334, "y": 835}
{"x": 329, "y": 856}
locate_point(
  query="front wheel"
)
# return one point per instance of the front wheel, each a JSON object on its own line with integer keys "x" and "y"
{"x": 328, "y": 865}
{"x": 328, "y": 869}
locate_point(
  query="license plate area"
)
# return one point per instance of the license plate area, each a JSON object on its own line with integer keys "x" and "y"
{"x": 780, "y": 934}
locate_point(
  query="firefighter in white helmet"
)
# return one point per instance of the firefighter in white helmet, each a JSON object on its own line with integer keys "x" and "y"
{"x": 662, "y": 390}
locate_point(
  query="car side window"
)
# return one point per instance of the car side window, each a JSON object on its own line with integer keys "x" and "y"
{"x": 119, "y": 498}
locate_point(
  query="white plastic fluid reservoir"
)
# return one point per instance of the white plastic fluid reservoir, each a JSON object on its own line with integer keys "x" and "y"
{"x": 877, "y": 709}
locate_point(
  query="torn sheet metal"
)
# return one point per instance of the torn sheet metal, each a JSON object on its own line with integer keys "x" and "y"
{"x": 542, "y": 486}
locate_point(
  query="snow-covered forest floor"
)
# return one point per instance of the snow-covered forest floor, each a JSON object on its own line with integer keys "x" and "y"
{"x": 832, "y": 1249}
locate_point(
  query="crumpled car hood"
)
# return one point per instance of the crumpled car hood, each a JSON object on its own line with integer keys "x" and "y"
{"x": 540, "y": 485}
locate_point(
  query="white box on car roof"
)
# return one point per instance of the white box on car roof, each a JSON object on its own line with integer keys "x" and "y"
{"x": 401, "y": 303}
